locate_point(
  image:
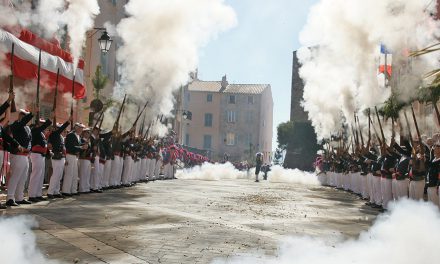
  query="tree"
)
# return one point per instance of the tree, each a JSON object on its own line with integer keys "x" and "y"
{"x": 99, "y": 81}
{"x": 299, "y": 141}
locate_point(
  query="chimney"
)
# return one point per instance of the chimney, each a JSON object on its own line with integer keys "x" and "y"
{"x": 224, "y": 83}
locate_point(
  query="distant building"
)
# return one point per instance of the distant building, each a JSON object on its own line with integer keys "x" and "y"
{"x": 232, "y": 119}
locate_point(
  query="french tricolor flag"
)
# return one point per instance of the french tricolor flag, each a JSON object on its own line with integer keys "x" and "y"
{"x": 385, "y": 61}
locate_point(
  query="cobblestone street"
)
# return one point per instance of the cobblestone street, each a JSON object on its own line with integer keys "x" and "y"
{"x": 188, "y": 221}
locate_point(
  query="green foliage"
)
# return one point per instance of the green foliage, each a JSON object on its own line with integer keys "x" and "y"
{"x": 284, "y": 134}
{"x": 298, "y": 139}
{"x": 99, "y": 81}
{"x": 429, "y": 94}
{"x": 392, "y": 107}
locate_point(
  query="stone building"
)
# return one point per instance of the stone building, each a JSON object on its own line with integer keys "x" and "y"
{"x": 232, "y": 119}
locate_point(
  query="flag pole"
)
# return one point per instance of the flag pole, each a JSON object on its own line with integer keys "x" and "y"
{"x": 37, "y": 99}
{"x": 73, "y": 99}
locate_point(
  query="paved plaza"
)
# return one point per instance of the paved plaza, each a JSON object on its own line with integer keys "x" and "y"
{"x": 189, "y": 221}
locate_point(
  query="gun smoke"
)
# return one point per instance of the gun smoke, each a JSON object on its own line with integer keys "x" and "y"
{"x": 160, "y": 47}
{"x": 404, "y": 235}
{"x": 340, "y": 56}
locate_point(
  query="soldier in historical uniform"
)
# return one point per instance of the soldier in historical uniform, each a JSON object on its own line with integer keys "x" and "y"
{"x": 6, "y": 141}
{"x": 85, "y": 166}
{"x": 19, "y": 159}
{"x": 418, "y": 171}
{"x": 387, "y": 169}
{"x": 106, "y": 156}
{"x": 58, "y": 149}
{"x": 117, "y": 161}
{"x": 400, "y": 176}
{"x": 432, "y": 177}
{"x": 38, "y": 154}
{"x": 73, "y": 148}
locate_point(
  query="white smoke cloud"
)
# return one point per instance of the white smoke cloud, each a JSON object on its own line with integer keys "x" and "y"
{"x": 405, "y": 235}
{"x": 79, "y": 18}
{"x": 340, "y": 56}
{"x": 19, "y": 242}
{"x": 49, "y": 16}
{"x": 280, "y": 174}
{"x": 161, "y": 39}
{"x": 212, "y": 172}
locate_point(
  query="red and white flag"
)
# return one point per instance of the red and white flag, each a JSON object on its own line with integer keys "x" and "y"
{"x": 26, "y": 52}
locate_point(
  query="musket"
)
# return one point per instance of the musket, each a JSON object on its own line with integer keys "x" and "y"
{"x": 54, "y": 107}
{"x": 140, "y": 113}
{"x": 116, "y": 124}
{"x": 73, "y": 98}
{"x": 99, "y": 119}
{"x": 422, "y": 149}
{"x": 102, "y": 120}
{"x": 360, "y": 131}
{"x": 409, "y": 129}
{"x": 148, "y": 130}
{"x": 380, "y": 126}
{"x": 11, "y": 79}
{"x": 437, "y": 113}
{"x": 37, "y": 98}
{"x": 375, "y": 132}
{"x": 141, "y": 128}
{"x": 369, "y": 130}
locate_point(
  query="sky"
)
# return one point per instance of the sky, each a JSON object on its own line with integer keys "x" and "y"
{"x": 259, "y": 49}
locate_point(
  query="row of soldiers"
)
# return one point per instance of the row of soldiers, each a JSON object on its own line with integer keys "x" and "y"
{"x": 381, "y": 174}
{"x": 83, "y": 160}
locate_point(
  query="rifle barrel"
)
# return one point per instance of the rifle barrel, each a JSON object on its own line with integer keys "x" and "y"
{"x": 11, "y": 79}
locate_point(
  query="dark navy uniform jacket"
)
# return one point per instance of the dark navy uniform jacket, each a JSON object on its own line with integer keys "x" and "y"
{"x": 22, "y": 133}
{"x": 73, "y": 143}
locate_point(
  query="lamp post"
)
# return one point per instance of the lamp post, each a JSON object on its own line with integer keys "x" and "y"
{"x": 105, "y": 42}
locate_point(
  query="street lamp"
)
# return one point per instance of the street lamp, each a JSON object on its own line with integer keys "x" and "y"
{"x": 105, "y": 42}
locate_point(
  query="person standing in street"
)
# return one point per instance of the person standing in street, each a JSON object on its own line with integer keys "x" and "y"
{"x": 259, "y": 163}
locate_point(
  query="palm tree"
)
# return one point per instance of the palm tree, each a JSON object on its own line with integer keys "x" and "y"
{"x": 99, "y": 81}
{"x": 431, "y": 92}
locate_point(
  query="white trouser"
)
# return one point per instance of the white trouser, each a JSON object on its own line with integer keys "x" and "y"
{"x": 370, "y": 180}
{"x": 338, "y": 180}
{"x": 416, "y": 189}
{"x": 394, "y": 189}
{"x": 401, "y": 189}
{"x": 168, "y": 171}
{"x": 137, "y": 170}
{"x": 84, "y": 175}
{"x": 95, "y": 178}
{"x": 152, "y": 168}
{"x": 19, "y": 174}
{"x": 128, "y": 170}
{"x": 37, "y": 174}
{"x": 351, "y": 182}
{"x": 70, "y": 181}
{"x": 386, "y": 190}
{"x": 107, "y": 173}
{"x": 143, "y": 172}
{"x": 147, "y": 168}
{"x": 115, "y": 178}
{"x": 57, "y": 174}
{"x": 364, "y": 186}
{"x": 347, "y": 181}
{"x": 322, "y": 178}
{"x": 433, "y": 195}
{"x": 377, "y": 190}
{"x": 157, "y": 168}
{"x": 120, "y": 168}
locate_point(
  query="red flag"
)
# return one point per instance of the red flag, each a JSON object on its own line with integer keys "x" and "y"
{"x": 27, "y": 48}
